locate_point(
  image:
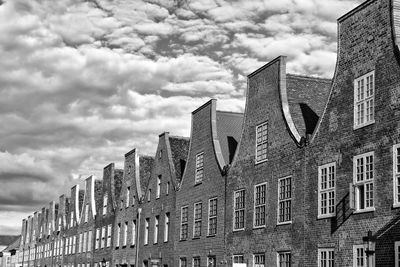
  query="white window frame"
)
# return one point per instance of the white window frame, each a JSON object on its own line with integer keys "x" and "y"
{"x": 362, "y": 98}
{"x": 263, "y": 143}
{"x": 254, "y": 260}
{"x": 278, "y": 260}
{"x": 355, "y": 256}
{"x": 320, "y": 258}
{"x": 364, "y": 182}
{"x": 199, "y": 173}
{"x": 156, "y": 229}
{"x": 239, "y": 209}
{"x": 396, "y": 255}
{"x": 327, "y": 190}
{"x": 212, "y": 216}
{"x": 97, "y": 242}
{"x": 197, "y": 220}
{"x": 146, "y": 231}
{"x": 125, "y": 239}
{"x": 285, "y": 200}
{"x": 184, "y": 223}
{"x": 105, "y": 204}
{"x": 259, "y": 205}
{"x": 158, "y": 192}
{"x": 133, "y": 234}
{"x": 103, "y": 237}
{"x": 86, "y": 212}
{"x": 166, "y": 226}
{"x": 396, "y": 177}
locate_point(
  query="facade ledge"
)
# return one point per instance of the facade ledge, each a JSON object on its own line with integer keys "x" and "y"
{"x": 364, "y": 210}
{"x": 259, "y": 162}
{"x": 283, "y": 223}
{"x": 325, "y": 216}
{"x": 356, "y": 127}
{"x": 396, "y": 205}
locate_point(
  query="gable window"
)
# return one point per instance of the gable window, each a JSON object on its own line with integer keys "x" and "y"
{"x": 261, "y": 142}
{"x": 364, "y": 88}
{"x": 86, "y": 213}
{"x": 396, "y": 175}
{"x": 212, "y": 216}
{"x": 105, "y": 202}
{"x": 259, "y": 204}
{"x": 128, "y": 192}
{"x": 156, "y": 222}
{"x": 166, "y": 227}
{"x": 197, "y": 219}
{"x": 118, "y": 235}
{"x": 363, "y": 182}
{"x": 326, "y": 190}
{"x": 284, "y": 259}
{"x": 199, "y": 168}
{"x": 285, "y": 200}
{"x": 326, "y": 257}
{"x": 109, "y": 235}
{"x": 184, "y": 223}
{"x": 259, "y": 260}
{"x": 238, "y": 212}
{"x": 359, "y": 256}
{"x": 158, "y": 186}
{"x": 146, "y": 231}
{"x": 133, "y": 241}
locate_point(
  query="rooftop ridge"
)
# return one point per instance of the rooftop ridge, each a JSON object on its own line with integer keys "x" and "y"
{"x": 230, "y": 112}
{"x": 310, "y": 77}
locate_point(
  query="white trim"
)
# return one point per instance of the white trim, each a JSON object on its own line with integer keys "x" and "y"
{"x": 327, "y": 215}
{"x": 156, "y": 229}
{"x": 254, "y": 205}
{"x": 254, "y": 258}
{"x": 364, "y": 100}
{"x": 208, "y": 216}
{"x": 234, "y": 209}
{"x": 198, "y": 169}
{"x": 256, "y": 144}
{"x": 291, "y": 198}
{"x": 194, "y": 218}
{"x": 363, "y": 182}
{"x": 396, "y": 174}
{"x": 320, "y": 250}
{"x": 396, "y": 254}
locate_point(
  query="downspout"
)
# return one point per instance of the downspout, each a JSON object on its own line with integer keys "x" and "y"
{"x": 139, "y": 211}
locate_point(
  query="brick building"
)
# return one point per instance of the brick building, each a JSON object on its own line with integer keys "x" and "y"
{"x": 200, "y": 199}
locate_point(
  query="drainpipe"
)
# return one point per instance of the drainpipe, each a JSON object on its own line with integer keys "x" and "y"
{"x": 139, "y": 211}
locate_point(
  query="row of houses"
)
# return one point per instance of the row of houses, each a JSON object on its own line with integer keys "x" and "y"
{"x": 309, "y": 175}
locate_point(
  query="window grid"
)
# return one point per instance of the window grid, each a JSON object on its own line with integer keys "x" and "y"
{"x": 359, "y": 256}
{"x": 364, "y": 181}
{"x": 262, "y": 142}
{"x": 166, "y": 227}
{"x": 182, "y": 262}
{"x": 212, "y": 216}
{"x": 196, "y": 261}
{"x": 199, "y": 168}
{"x": 285, "y": 200}
{"x": 184, "y": 223}
{"x": 133, "y": 241}
{"x": 259, "y": 260}
{"x": 396, "y": 175}
{"x": 326, "y": 188}
{"x": 364, "y": 100}
{"x": 284, "y": 259}
{"x": 239, "y": 209}
{"x": 197, "y": 219}
{"x": 259, "y": 204}
{"x": 326, "y": 257}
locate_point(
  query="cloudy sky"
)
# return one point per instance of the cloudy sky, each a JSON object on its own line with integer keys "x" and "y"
{"x": 83, "y": 82}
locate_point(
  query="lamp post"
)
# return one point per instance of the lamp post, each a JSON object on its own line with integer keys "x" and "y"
{"x": 369, "y": 248}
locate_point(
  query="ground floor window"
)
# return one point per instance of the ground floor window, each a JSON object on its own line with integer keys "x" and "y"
{"x": 326, "y": 257}
{"x": 284, "y": 259}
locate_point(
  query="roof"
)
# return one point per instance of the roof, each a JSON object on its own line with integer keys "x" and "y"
{"x": 14, "y": 242}
{"x": 312, "y": 91}
{"x": 228, "y": 124}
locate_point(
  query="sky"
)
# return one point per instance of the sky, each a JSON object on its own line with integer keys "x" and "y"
{"x": 84, "y": 82}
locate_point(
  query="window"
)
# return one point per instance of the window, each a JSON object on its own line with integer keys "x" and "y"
{"x": 97, "y": 243}
{"x": 105, "y": 202}
{"x": 73, "y": 244}
{"x": 125, "y": 240}
{"x": 86, "y": 213}
{"x": 359, "y": 256}
{"x": 397, "y": 254}
{"x": 326, "y": 257}
{"x": 146, "y": 231}
{"x": 396, "y": 175}
{"x": 259, "y": 260}
{"x": 197, "y": 220}
{"x": 199, "y": 168}
{"x": 84, "y": 243}
{"x": 196, "y": 261}
{"x": 149, "y": 195}
{"x": 182, "y": 262}
{"x": 89, "y": 241}
{"x": 158, "y": 186}
{"x": 166, "y": 227}
{"x": 80, "y": 245}
{"x": 133, "y": 242}
{"x": 259, "y": 204}
{"x": 184, "y": 223}
{"x": 364, "y": 88}
{"x": 363, "y": 182}
{"x": 239, "y": 199}
{"x": 326, "y": 190}
{"x": 284, "y": 259}
{"x": 212, "y": 216}
{"x": 122, "y": 203}
{"x": 128, "y": 191}
{"x": 118, "y": 235}
{"x": 238, "y": 259}
{"x": 109, "y": 235}
{"x": 167, "y": 189}
{"x": 285, "y": 200}
{"x": 211, "y": 261}
{"x": 262, "y": 142}
{"x": 156, "y": 222}
{"x": 103, "y": 236}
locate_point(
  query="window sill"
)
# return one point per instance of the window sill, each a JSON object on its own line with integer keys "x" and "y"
{"x": 196, "y": 237}
{"x": 213, "y": 235}
{"x": 181, "y": 240}
{"x": 396, "y": 205}
{"x": 284, "y": 223}
{"x": 258, "y": 227}
{"x": 124, "y": 246}
{"x": 259, "y": 162}
{"x": 166, "y": 241}
{"x": 238, "y": 230}
{"x": 325, "y": 216}
{"x": 132, "y": 246}
{"x": 355, "y": 127}
{"x": 364, "y": 210}
{"x": 198, "y": 183}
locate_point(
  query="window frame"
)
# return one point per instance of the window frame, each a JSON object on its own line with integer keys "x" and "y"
{"x": 254, "y": 259}
{"x": 127, "y": 196}
{"x": 255, "y": 206}
{"x": 364, "y": 182}
{"x": 396, "y": 177}
{"x": 181, "y": 260}
{"x": 133, "y": 234}
{"x": 158, "y": 190}
{"x": 278, "y": 261}
{"x": 186, "y": 223}
{"x": 263, "y": 142}
{"x": 365, "y": 99}
{"x": 355, "y": 255}
{"x": 199, "y": 168}
{"x": 327, "y": 250}
{"x": 146, "y": 231}
{"x": 285, "y": 200}
{"x": 166, "y": 226}
{"x": 196, "y": 258}
{"x": 156, "y": 229}
{"x": 326, "y": 190}
{"x": 396, "y": 255}
{"x": 243, "y": 209}
{"x": 105, "y": 204}
{"x": 211, "y": 217}
{"x": 197, "y": 220}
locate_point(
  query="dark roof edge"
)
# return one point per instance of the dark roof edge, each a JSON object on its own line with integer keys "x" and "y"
{"x": 203, "y": 106}
{"x": 264, "y": 66}
{"x": 355, "y": 10}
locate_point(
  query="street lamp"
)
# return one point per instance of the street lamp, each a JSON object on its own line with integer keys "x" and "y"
{"x": 369, "y": 248}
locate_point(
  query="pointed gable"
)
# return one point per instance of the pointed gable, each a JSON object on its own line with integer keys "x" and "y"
{"x": 179, "y": 148}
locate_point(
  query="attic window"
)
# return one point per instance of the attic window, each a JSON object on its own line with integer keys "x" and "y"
{"x": 261, "y": 142}
{"x": 105, "y": 202}
{"x": 364, "y": 88}
{"x": 129, "y": 169}
{"x": 199, "y": 168}
{"x": 160, "y": 154}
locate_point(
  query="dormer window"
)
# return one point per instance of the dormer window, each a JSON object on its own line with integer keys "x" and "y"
{"x": 105, "y": 202}
{"x": 364, "y": 90}
{"x": 261, "y": 142}
{"x": 199, "y": 168}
